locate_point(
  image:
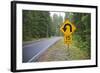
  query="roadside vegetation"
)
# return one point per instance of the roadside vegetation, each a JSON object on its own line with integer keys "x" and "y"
{"x": 60, "y": 52}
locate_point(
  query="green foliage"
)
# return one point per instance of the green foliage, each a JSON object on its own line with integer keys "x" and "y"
{"x": 36, "y": 24}
{"x": 57, "y": 20}
{"x": 82, "y": 34}
{"x": 39, "y": 24}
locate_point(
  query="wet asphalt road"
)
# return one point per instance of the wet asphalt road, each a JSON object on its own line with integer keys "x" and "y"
{"x": 33, "y": 51}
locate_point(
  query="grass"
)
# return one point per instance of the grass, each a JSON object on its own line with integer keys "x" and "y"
{"x": 77, "y": 53}
{"x": 55, "y": 52}
{"x": 60, "y": 52}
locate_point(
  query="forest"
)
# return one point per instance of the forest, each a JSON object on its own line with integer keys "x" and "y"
{"x": 40, "y": 24}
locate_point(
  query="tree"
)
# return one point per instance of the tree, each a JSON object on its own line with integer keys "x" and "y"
{"x": 57, "y": 20}
{"x": 60, "y": 22}
{"x": 36, "y": 24}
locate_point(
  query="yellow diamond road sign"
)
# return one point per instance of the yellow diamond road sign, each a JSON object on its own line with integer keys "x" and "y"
{"x": 67, "y": 28}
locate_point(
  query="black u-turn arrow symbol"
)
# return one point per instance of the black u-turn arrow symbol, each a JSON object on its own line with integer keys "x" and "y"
{"x": 66, "y": 28}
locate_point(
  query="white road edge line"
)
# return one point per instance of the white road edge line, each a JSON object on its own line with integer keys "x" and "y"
{"x": 40, "y": 52}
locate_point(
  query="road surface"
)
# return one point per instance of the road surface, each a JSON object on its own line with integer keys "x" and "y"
{"x": 33, "y": 51}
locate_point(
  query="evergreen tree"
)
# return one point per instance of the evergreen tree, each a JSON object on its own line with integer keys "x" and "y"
{"x": 36, "y": 24}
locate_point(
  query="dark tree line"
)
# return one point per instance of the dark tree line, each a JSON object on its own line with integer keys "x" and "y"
{"x": 36, "y": 24}
{"x": 57, "y": 20}
{"x": 39, "y": 24}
